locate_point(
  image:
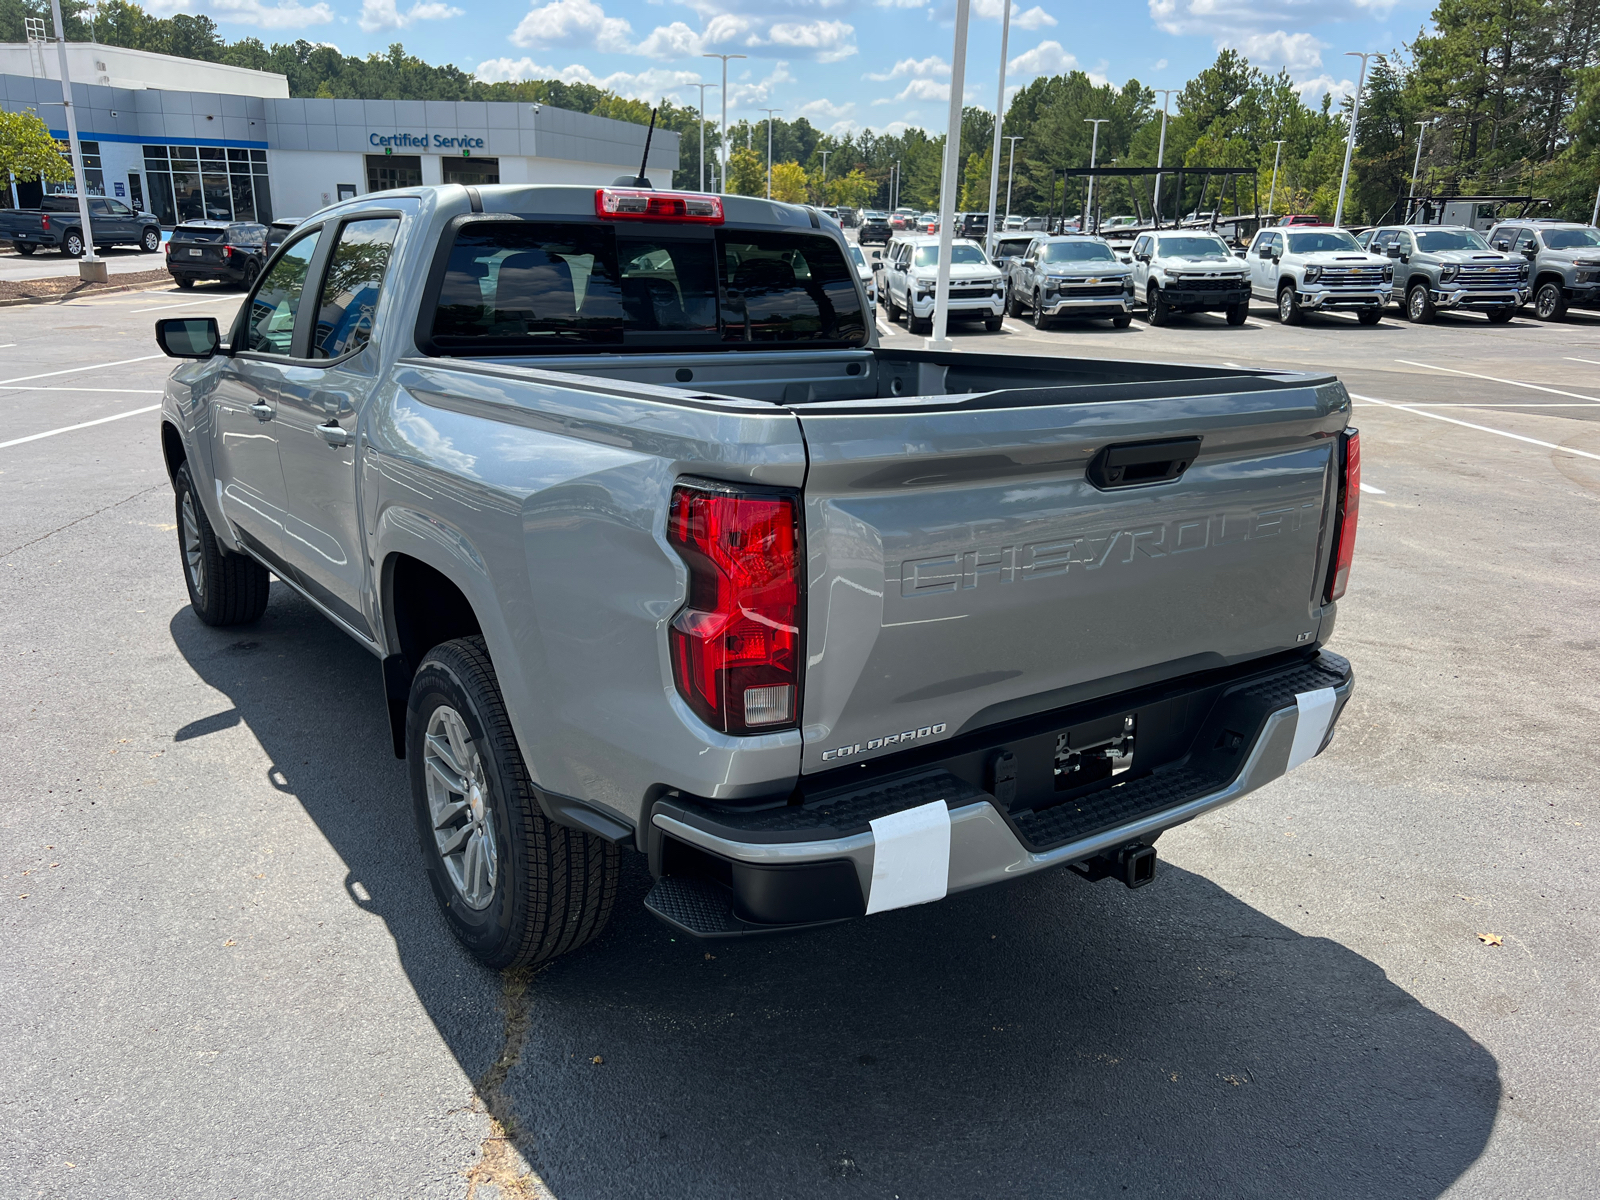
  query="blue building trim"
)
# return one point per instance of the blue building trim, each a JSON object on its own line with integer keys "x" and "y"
{"x": 158, "y": 140}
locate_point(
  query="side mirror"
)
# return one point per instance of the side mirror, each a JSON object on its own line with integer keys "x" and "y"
{"x": 1277, "y": 255}
{"x": 188, "y": 337}
{"x": 1392, "y": 251}
{"x": 1530, "y": 254}
{"x": 877, "y": 263}
{"x": 1129, "y": 259}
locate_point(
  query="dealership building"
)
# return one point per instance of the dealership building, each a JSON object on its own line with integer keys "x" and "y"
{"x": 188, "y": 140}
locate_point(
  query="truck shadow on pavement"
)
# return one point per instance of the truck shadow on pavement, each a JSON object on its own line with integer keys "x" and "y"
{"x": 1050, "y": 1037}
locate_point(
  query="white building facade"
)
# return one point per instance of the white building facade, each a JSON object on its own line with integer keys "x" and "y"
{"x": 252, "y": 152}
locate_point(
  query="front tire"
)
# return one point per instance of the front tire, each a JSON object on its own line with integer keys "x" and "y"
{"x": 1370, "y": 316}
{"x": 515, "y": 888}
{"x": 1419, "y": 306}
{"x": 1040, "y": 321}
{"x": 993, "y": 324}
{"x": 1550, "y": 302}
{"x": 1160, "y": 313}
{"x": 1289, "y": 310}
{"x": 224, "y": 589}
{"x": 1501, "y": 316}
{"x": 1122, "y": 321}
{"x": 1238, "y": 314}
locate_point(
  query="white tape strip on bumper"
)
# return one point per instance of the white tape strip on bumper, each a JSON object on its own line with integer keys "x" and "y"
{"x": 910, "y": 857}
{"x": 1311, "y": 724}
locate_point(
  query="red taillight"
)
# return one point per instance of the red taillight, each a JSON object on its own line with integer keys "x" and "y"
{"x": 1349, "y": 508}
{"x": 617, "y": 204}
{"x": 227, "y": 252}
{"x": 44, "y": 222}
{"x": 167, "y": 246}
{"x": 736, "y": 641}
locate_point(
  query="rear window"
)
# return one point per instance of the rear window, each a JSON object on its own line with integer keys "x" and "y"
{"x": 519, "y": 287}
{"x": 189, "y": 233}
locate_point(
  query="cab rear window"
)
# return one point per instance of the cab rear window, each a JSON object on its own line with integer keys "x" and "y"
{"x": 525, "y": 287}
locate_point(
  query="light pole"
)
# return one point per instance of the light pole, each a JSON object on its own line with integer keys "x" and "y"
{"x": 894, "y": 187}
{"x": 703, "y": 87}
{"x": 1416, "y": 164}
{"x": 769, "y": 112}
{"x": 947, "y": 185}
{"x": 999, "y": 111}
{"x": 824, "y": 154}
{"x": 1011, "y": 163}
{"x": 1094, "y": 146}
{"x": 1276, "y": 154}
{"x": 91, "y": 268}
{"x": 724, "y": 126}
{"x": 1161, "y": 150}
{"x": 1350, "y": 141}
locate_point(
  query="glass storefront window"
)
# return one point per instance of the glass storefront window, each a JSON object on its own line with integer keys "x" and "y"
{"x": 385, "y": 171}
{"x": 219, "y": 183}
{"x": 474, "y": 172}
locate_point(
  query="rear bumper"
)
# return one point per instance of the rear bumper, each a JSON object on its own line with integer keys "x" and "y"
{"x": 205, "y": 271}
{"x": 724, "y": 872}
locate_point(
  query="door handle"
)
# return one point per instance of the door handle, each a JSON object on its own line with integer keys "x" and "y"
{"x": 263, "y": 410}
{"x": 334, "y": 434}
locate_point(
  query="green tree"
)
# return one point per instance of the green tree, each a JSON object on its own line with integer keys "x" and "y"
{"x": 747, "y": 172}
{"x": 789, "y": 183}
{"x": 28, "y": 152}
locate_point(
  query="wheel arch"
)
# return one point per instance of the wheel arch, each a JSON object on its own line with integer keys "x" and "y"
{"x": 422, "y": 608}
{"x": 1549, "y": 276}
{"x": 173, "y": 450}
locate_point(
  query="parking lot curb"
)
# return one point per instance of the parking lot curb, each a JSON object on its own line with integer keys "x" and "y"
{"x": 74, "y": 294}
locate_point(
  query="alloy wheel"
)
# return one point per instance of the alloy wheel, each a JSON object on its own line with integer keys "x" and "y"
{"x": 1285, "y": 306}
{"x": 459, "y": 808}
{"x": 194, "y": 559}
{"x": 1548, "y": 301}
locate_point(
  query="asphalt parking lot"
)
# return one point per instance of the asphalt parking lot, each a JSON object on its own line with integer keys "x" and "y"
{"x": 225, "y": 975}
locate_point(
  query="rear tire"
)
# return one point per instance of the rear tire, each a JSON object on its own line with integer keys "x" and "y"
{"x": 23, "y": 248}
{"x": 251, "y": 270}
{"x": 1289, "y": 310}
{"x": 1501, "y": 315}
{"x": 1370, "y": 316}
{"x": 150, "y": 242}
{"x": 72, "y": 244}
{"x": 183, "y": 281}
{"x": 1238, "y": 314}
{"x": 515, "y": 888}
{"x": 224, "y": 589}
{"x": 1419, "y": 305}
{"x": 1549, "y": 302}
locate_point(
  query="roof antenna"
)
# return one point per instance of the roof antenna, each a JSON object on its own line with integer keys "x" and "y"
{"x": 641, "y": 181}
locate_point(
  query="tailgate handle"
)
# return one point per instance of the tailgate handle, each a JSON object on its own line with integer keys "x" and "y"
{"x": 1130, "y": 464}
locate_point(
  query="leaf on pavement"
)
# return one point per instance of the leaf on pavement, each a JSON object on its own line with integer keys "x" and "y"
{"x": 1490, "y": 939}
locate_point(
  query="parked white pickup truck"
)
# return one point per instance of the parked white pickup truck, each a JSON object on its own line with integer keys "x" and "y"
{"x": 661, "y": 552}
{"x": 1318, "y": 270}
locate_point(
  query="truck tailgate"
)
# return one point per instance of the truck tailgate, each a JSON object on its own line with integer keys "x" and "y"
{"x": 964, "y": 570}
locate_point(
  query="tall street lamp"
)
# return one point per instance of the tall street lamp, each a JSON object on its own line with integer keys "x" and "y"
{"x": 1161, "y": 150}
{"x": 1350, "y": 141}
{"x": 1010, "y": 167}
{"x": 1276, "y": 154}
{"x": 947, "y": 185}
{"x": 999, "y": 112}
{"x": 1416, "y": 164}
{"x": 824, "y": 154}
{"x": 724, "y": 58}
{"x": 769, "y": 112}
{"x": 91, "y": 267}
{"x": 703, "y": 87}
{"x": 1088, "y": 196}
{"x": 894, "y": 187}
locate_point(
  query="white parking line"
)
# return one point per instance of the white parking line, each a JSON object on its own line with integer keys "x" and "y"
{"x": 17, "y": 387}
{"x": 1591, "y": 361}
{"x": 121, "y": 362}
{"x": 1537, "y": 387}
{"x": 1372, "y": 491}
{"x": 34, "y": 437}
{"x": 1469, "y": 425}
{"x": 185, "y": 304}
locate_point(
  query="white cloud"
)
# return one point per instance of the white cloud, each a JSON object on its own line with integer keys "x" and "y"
{"x": 1047, "y": 58}
{"x": 841, "y": 129}
{"x": 671, "y": 41}
{"x": 1312, "y": 90}
{"x": 385, "y": 14}
{"x": 1297, "y": 51}
{"x": 1225, "y": 20}
{"x": 895, "y": 128}
{"x": 1161, "y": 64}
{"x": 900, "y": 3}
{"x": 574, "y": 23}
{"x": 286, "y": 14}
{"x": 924, "y": 89}
{"x": 994, "y": 10}
{"x": 825, "y": 110}
{"x": 829, "y": 41}
{"x": 932, "y": 67}
{"x": 758, "y": 93}
{"x": 648, "y": 85}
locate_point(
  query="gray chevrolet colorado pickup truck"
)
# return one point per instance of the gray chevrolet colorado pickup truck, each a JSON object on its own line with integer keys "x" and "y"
{"x": 662, "y": 552}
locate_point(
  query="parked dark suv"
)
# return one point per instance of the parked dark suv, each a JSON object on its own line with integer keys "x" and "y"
{"x": 231, "y": 251}
{"x": 874, "y": 228}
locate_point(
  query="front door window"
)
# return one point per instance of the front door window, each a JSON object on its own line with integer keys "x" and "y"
{"x": 270, "y": 326}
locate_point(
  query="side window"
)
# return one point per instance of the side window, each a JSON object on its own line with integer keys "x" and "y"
{"x": 1405, "y": 242}
{"x": 119, "y": 209}
{"x": 350, "y": 289}
{"x": 269, "y": 325}
{"x": 1382, "y": 240}
{"x": 99, "y": 208}
{"x": 1140, "y": 246}
{"x": 1502, "y": 239}
{"x": 1525, "y": 241}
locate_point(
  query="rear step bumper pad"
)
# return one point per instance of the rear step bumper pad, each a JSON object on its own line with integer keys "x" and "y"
{"x": 986, "y": 847}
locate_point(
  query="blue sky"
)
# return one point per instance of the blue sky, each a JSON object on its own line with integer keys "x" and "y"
{"x": 844, "y": 64}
